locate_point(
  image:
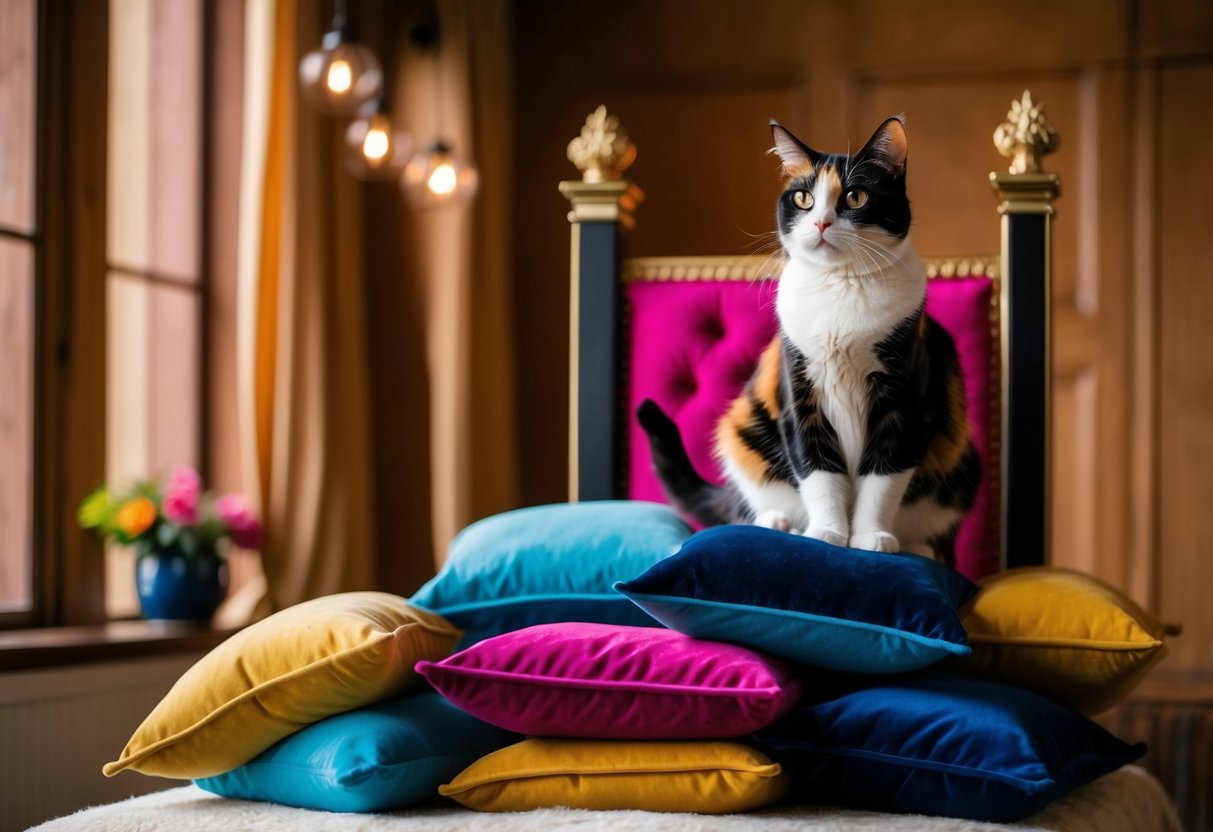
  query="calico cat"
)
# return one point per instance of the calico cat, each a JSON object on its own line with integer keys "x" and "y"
{"x": 853, "y": 427}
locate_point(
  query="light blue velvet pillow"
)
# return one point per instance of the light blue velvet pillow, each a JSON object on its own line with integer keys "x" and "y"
{"x": 799, "y": 598}
{"x": 385, "y": 756}
{"x": 938, "y": 743}
{"x": 548, "y": 564}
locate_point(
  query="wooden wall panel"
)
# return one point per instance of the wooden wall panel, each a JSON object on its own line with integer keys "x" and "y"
{"x": 1185, "y": 360}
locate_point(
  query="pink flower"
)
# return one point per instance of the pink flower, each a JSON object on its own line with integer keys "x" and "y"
{"x": 235, "y": 513}
{"x": 181, "y": 496}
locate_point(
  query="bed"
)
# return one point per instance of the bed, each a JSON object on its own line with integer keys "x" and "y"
{"x": 627, "y": 346}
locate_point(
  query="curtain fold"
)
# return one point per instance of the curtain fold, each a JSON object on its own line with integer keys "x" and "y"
{"x": 462, "y": 94}
{"x": 301, "y": 351}
{"x": 320, "y": 461}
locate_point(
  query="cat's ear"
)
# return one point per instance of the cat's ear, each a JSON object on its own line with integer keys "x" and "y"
{"x": 795, "y": 154}
{"x": 888, "y": 145}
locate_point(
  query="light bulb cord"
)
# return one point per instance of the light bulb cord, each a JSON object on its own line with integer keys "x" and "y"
{"x": 438, "y": 112}
{"x": 340, "y": 15}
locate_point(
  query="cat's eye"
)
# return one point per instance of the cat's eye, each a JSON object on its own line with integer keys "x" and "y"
{"x": 802, "y": 199}
{"x": 856, "y": 198}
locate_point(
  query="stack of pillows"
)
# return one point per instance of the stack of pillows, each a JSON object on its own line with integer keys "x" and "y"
{"x": 601, "y": 656}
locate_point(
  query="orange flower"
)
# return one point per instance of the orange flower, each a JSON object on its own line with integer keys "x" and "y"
{"x": 135, "y": 516}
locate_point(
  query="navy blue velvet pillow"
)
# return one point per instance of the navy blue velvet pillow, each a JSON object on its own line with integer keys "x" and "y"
{"x": 792, "y": 596}
{"x": 938, "y": 743}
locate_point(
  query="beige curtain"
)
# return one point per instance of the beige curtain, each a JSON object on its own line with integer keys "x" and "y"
{"x": 301, "y": 319}
{"x": 307, "y": 434}
{"x": 463, "y": 260}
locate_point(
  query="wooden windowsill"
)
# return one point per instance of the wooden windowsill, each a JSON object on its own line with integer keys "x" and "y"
{"x": 58, "y": 646}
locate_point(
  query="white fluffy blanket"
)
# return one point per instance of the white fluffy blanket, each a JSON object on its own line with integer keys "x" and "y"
{"x": 1128, "y": 800}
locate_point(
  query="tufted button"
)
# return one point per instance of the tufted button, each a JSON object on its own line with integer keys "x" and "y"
{"x": 687, "y": 385}
{"x": 711, "y": 327}
{"x": 683, "y": 384}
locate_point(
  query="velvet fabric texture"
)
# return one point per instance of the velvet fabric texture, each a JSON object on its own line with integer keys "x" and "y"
{"x": 694, "y": 344}
{"x": 300, "y": 665}
{"x": 613, "y": 682}
{"x": 805, "y": 600}
{"x": 1061, "y": 633}
{"x": 940, "y": 744}
{"x": 706, "y": 777}
{"x": 385, "y": 756}
{"x": 550, "y": 563}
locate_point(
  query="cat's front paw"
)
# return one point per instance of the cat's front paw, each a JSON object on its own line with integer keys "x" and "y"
{"x": 773, "y": 519}
{"x": 826, "y": 535}
{"x": 875, "y": 542}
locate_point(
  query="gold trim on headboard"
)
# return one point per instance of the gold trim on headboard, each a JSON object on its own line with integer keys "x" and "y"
{"x": 757, "y": 267}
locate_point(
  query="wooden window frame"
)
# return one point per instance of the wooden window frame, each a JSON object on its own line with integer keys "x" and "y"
{"x": 70, "y": 287}
{"x": 69, "y": 268}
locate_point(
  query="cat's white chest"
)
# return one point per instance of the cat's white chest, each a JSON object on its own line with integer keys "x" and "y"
{"x": 839, "y": 366}
{"x": 837, "y": 323}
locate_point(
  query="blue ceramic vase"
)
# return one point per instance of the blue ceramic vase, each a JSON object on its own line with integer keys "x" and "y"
{"x": 173, "y": 585}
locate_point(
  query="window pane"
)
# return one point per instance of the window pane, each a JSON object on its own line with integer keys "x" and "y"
{"x": 17, "y": 65}
{"x": 152, "y": 410}
{"x": 155, "y": 91}
{"x": 16, "y": 423}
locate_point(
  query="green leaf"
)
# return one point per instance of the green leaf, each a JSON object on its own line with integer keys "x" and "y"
{"x": 167, "y": 534}
{"x": 188, "y": 542}
{"x": 96, "y": 510}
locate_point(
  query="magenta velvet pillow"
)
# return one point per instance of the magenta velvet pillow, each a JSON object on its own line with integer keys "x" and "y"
{"x": 615, "y": 682}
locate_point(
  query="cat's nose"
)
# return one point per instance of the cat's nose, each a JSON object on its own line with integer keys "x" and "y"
{"x": 822, "y": 226}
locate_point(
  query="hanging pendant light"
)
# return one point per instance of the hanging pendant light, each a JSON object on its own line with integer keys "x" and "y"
{"x": 342, "y": 74}
{"x": 436, "y": 176}
{"x": 374, "y": 148}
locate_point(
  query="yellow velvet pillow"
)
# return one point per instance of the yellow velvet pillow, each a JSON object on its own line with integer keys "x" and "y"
{"x": 298, "y": 666}
{"x": 1063, "y": 634}
{"x": 706, "y": 777}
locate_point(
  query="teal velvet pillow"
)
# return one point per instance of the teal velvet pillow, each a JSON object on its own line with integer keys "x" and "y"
{"x": 385, "y": 756}
{"x": 808, "y": 601}
{"x": 939, "y": 743}
{"x": 548, "y": 564}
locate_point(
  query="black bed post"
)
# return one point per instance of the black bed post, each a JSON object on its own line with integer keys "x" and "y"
{"x": 1026, "y": 197}
{"x": 602, "y": 209}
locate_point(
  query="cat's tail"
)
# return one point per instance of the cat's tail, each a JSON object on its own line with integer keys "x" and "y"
{"x": 711, "y": 505}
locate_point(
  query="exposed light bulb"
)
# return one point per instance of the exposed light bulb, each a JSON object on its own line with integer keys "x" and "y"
{"x": 442, "y": 178}
{"x": 376, "y": 144}
{"x": 437, "y": 177}
{"x": 373, "y": 148}
{"x": 339, "y": 77}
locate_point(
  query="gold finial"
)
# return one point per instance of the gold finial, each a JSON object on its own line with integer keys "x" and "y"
{"x": 1026, "y": 136}
{"x": 603, "y": 150}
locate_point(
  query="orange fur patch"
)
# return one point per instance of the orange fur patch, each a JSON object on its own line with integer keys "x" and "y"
{"x": 766, "y": 377}
{"x": 944, "y": 452}
{"x": 730, "y": 445}
{"x": 834, "y": 184}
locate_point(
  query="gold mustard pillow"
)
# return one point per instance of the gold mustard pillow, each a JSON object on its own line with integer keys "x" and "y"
{"x": 706, "y": 777}
{"x": 1063, "y": 634}
{"x": 298, "y": 666}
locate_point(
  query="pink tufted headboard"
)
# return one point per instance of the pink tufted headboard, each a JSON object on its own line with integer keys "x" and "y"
{"x": 691, "y": 345}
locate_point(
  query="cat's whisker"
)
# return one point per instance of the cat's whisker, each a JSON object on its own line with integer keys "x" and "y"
{"x": 773, "y": 265}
